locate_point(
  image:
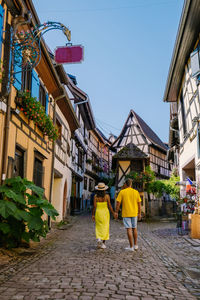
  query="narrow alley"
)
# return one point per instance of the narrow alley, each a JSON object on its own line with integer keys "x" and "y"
{"x": 71, "y": 267}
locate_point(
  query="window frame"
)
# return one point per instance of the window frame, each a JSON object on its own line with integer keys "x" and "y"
{"x": 38, "y": 157}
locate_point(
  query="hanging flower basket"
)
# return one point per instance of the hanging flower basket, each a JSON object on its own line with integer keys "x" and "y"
{"x": 34, "y": 110}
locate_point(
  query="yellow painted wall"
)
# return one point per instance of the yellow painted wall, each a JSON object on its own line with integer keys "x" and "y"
{"x": 19, "y": 134}
{"x": 124, "y": 165}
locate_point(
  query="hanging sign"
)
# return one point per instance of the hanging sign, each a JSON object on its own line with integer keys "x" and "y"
{"x": 69, "y": 54}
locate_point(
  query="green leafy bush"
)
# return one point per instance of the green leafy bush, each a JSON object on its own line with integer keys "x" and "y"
{"x": 22, "y": 205}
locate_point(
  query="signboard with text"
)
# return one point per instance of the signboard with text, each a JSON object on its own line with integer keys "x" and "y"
{"x": 69, "y": 54}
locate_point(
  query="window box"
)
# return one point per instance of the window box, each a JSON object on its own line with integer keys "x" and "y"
{"x": 33, "y": 110}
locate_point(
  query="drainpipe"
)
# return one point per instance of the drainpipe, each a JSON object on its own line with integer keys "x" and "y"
{"x": 53, "y": 154}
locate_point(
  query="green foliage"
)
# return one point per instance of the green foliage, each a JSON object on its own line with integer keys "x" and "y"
{"x": 156, "y": 187}
{"x": 145, "y": 176}
{"x": 22, "y": 205}
{"x": 34, "y": 110}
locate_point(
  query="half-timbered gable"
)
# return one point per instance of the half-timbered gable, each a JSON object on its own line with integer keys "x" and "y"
{"x": 131, "y": 133}
{"x": 137, "y": 132}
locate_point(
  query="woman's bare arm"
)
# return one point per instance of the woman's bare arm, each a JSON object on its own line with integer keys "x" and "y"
{"x": 94, "y": 208}
{"x": 109, "y": 204}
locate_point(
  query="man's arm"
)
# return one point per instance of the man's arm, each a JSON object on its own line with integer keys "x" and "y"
{"x": 139, "y": 210}
{"x": 117, "y": 209}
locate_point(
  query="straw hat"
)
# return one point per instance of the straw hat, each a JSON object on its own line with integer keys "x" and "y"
{"x": 101, "y": 186}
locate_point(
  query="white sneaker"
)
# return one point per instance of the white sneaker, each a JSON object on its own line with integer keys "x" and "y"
{"x": 136, "y": 247}
{"x": 129, "y": 249}
{"x": 99, "y": 243}
{"x": 103, "y": 246}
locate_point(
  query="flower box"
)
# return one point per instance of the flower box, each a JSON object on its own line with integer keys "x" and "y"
{"x": 34, "y": 111}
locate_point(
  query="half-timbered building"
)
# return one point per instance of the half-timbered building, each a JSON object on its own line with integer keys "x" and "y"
{"x": 79, "y": 141}
{"x": 137, "y": 132}
{"x": 142, "y": 147}
{"x": 183, "y": 90}
{"x": 98, "y": 161}
{"x": 130, "y": 159}
{"x": 66, "y": 122}
{"x": 27, "y": 149}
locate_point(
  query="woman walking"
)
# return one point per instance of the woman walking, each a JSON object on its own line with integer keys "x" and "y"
{"x": 101, "y": 215}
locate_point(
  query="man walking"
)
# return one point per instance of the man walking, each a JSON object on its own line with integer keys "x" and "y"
{"x": 131, "y": 211}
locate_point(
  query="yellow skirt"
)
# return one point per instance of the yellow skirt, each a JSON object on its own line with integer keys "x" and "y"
{"x": 102, "y": 221}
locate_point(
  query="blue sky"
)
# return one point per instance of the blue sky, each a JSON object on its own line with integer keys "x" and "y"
{"x": 128, "y": 46}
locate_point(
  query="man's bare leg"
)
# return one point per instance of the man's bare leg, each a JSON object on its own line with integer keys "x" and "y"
{"x": 130, "y": 236}
{"x": 135, "y": 235}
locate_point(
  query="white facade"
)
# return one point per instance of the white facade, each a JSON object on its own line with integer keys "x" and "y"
{"x": 62, "y": 172}
{"x": 188, "y": 119}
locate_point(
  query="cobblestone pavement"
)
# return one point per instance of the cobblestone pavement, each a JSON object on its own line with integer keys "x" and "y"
{"x": 70, "y": 267}
{"x": 179, "y": 253}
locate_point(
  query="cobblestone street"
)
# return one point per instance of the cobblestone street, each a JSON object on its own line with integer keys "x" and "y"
{"x": 166, "y": 266}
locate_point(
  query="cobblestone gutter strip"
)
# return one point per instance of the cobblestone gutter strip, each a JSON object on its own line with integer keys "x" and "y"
{"x": 173, "y": 263}
{"x": 193, "y": 242}
{"x": 12, "y": 261}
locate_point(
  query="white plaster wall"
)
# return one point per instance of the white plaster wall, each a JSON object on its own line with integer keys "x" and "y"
{"x": 59, "y": 187}
{"x": 62, "y": 168}
{"x": 58, "y": 196}
{"x": 188, "y": 153}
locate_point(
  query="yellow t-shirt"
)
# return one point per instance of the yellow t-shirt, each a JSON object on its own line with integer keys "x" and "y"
{"x": 129, "y": 198}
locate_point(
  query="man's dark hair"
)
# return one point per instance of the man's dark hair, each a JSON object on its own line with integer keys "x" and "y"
{"x": 128, "y": 182}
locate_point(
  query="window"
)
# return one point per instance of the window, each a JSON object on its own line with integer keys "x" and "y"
{"x": 85, "y": 183}
{"x": 18, "y": 169}
{"x": 42, "y": 96}
{"x": 26, "y": 79}
{"x": 35, "y": 85}
{"x": 38, "y": 172}
{"x": 80, "y": 158}
{"x": 91, "y": 185}
{"x": 59, "y": 128}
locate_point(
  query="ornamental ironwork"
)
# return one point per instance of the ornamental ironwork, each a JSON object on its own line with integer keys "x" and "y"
{"x": 26, "y": 45}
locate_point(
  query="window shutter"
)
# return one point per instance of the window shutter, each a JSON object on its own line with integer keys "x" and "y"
{"x": 18, "y": 70}
{"x": 195, "y": 62}
{"x": 1, "y": 26}
{"x": 47, "y": 103}
{"x": 35, "y": 85}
